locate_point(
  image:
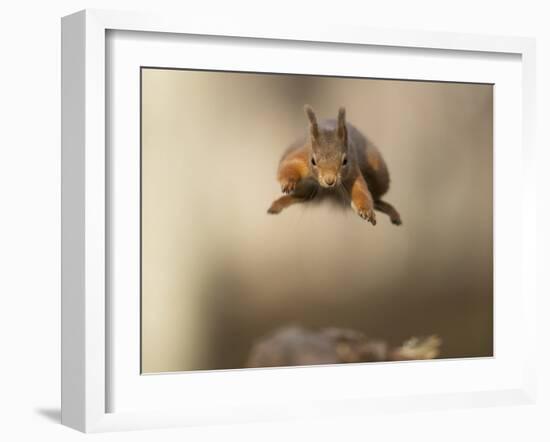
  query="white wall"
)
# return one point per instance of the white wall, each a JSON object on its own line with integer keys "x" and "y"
{"x": 30, "y": 221}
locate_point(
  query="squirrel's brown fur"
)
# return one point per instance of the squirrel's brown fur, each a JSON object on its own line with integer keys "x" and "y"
{"x": 293, "y": 345}
{"x": 335, "y": 159}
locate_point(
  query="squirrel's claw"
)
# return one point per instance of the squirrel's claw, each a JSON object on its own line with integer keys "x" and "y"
{"x": 367, "y": 214}
{"x": 288, "y": 186}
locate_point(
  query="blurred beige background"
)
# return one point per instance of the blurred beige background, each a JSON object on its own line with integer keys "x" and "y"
{"x": 218, "y": 272}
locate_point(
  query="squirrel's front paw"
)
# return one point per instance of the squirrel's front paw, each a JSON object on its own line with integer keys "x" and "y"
{"x": 288, "y": 186}
{"x": 367, "y": 214}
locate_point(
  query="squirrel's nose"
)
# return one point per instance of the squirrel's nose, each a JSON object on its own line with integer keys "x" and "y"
{"x": 330, "y": 180}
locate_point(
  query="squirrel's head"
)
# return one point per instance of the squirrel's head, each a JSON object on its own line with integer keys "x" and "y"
{"x": 329, "y": 149}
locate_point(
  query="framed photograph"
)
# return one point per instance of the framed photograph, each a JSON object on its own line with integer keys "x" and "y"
{"x": 267, "y": 222}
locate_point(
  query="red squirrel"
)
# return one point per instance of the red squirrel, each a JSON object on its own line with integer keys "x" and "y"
{"x": 335, "y": 159}
{"x": 293, "y": 345}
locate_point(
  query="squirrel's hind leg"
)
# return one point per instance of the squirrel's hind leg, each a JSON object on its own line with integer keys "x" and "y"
{"x": 283, "y": 202}
{"x": 389, "y": 210}
{"x": 305, "y": 191}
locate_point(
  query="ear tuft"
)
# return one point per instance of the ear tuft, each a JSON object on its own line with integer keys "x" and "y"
{"x": 314, "y": 128}
{"x": 342, "y": 122}
{"x": 342, "y": 115}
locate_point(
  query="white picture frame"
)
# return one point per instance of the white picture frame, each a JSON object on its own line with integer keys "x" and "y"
{"x": 87, "y": 319}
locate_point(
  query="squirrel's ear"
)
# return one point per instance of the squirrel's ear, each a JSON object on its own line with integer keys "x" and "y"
{"x": 313, "y": 127}
{"x": 342, "y": 122}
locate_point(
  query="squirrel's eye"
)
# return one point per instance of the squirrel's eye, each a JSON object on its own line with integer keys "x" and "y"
{"x": 313, "y": 161}
{"x": 344, "y": 161}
